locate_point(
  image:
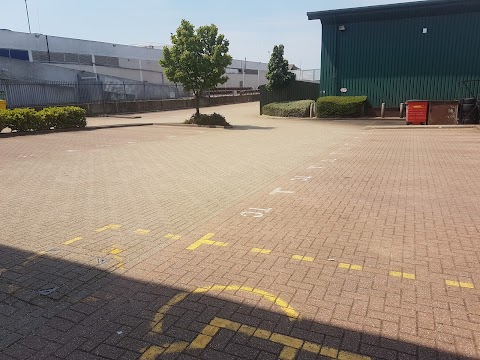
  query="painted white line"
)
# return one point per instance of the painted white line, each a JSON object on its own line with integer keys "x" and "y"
{"x": 255, "y": 212}
{"x": 280, "y": 191}
{"x": 301, "y": 178}
{"x": 315, "y": 167}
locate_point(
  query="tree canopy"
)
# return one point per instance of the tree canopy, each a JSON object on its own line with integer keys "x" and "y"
{"x": 197, "y": 58}
{"x": 278, "y": 75}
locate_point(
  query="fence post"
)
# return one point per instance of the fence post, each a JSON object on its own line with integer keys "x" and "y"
{"x": 77, "y": 87}
{"x": 125, "y": 95}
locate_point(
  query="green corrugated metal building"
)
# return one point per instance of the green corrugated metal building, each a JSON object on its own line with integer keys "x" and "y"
{"x": 393, "y": 53}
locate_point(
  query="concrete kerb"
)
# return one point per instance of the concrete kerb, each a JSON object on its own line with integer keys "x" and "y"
{"x": 87, "y": 128}
{"x": 423, "y": 127}
{"x": 196, "y": 126}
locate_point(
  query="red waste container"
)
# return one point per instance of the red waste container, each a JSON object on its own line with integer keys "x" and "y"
{"x": 417, "y": 112}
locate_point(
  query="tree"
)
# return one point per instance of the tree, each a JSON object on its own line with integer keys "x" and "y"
{"x": 278, "y": 75}
{"x": 197, "y": 59}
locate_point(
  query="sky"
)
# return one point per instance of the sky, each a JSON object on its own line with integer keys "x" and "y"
{"x": 252, "y": 27}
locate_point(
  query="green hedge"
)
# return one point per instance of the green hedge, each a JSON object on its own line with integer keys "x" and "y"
{"x": 340, "y": 106}
{"x": 299, "y": 108}
{"x": 19, "y": 120}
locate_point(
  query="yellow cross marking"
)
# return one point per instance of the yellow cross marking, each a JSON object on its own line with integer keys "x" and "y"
{"x": 108, "y": 227}
{"x": 350, "y": 266}
{"x": 173, "y": 237}
{"x": 71, "y": 241}
{"x": 460, "y": 284}
{"x": 206, "y": 241}
{"x": 303, "y": 258}
{"x": 143, "y": 231}
{"x": 261, "y": 251}
{"x": 402, "y": 275}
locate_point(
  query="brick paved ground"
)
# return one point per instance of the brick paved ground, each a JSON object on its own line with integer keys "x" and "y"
{"x": 286, "y": 239}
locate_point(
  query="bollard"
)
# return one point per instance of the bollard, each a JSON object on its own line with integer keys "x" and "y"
{"x": 382, "y": 111}
{"x": 402, "y": 110}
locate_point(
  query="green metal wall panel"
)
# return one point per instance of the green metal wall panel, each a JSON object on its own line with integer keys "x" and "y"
{"x": 393, "y": 61}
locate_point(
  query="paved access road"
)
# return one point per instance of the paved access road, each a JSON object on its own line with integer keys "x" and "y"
{"x": 279, "y": 239}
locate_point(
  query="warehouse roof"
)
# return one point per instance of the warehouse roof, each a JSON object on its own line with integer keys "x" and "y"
{"x": 396, "y": 11}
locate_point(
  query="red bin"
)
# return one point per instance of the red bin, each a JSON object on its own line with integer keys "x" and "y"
{"x": 417, "y": 112}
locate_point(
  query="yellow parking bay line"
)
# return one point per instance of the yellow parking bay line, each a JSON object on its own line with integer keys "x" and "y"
{"x": 303, "y": 258}
{"x": 402, "y": 275}
{"x": 261, "y": 251}
{"x": 143, "y": 231}
{"x": 465, "y": 285}
{"x": 74, "y": 240}
{"x": 350, "y": 266}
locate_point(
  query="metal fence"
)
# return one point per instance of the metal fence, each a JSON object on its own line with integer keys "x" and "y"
{"x": 307, "y": 75}
{"x": 297, "y": 90}
{"x": 23, "y": 94}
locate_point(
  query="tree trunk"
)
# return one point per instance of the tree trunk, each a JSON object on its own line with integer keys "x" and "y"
{"x": 197, "y": 103}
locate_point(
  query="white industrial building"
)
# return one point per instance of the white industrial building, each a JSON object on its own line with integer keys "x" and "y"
{"x": 25, "y": 56}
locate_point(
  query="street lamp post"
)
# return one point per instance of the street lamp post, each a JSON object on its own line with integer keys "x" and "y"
{"x": 28, "y": 17}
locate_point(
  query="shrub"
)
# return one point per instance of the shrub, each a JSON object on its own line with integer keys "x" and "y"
{"x": 288, "y": 109}
{"x": 340, "y": 106}
{"x": 208, "y": 119}
{"x": 3, "y": 120}
{"x": 49, "y": 118}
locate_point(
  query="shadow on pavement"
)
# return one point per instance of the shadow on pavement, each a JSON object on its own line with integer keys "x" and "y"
{"x": 51, "y": 308}
{"x": 251, "y": 127}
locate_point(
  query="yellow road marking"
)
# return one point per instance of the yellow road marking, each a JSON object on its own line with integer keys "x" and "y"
{"x": 143, "y": 231}
{"x": 176, "y": 347}
{"x": 205, "y": 240}
{"x": 160, "y": 315}
{"x": 152, "y": 353}
{"x": 71, "y": 241}
{"x": 350, "y": 266}
{"x": 303, "y": 258}
{"x": 172, "y": 236}
{"x": 287, "y": 340}
{"x": 311, "y": 347}
{"x": 200, "y": 342}
{"x": 459, "y": 284}
{"x": 115, "y": 251}
{"x": 329, "y": 352}
{"x": 402, "y": 275}
{"x": 291, "y": 345}
{"x": 288, "y": 353}
{"x": 286, "y": 308}
{"x": 109, "y": 227}
{"x": 261, "y": 251}
{"x": 157, "y": 322}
